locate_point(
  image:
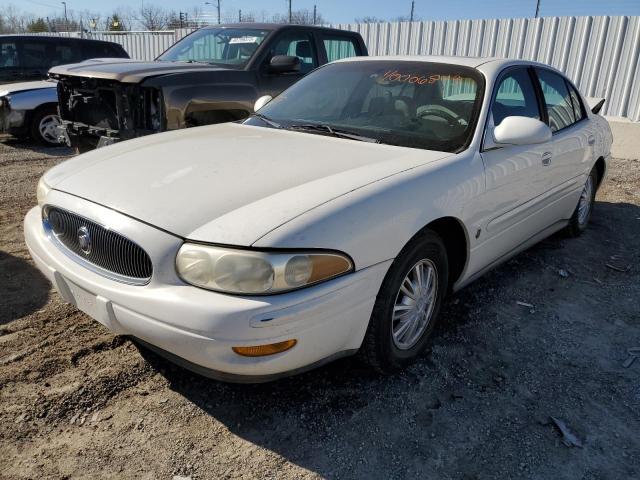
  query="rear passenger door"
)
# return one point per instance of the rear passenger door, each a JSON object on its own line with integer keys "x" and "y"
{"x": 337, "y": 47}
{"x": 515, "y": 174}
{"x": 293, "y": 43}
{"x": 572, "y": 136}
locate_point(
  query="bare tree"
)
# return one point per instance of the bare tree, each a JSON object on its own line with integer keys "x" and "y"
{"x": 153, "y": 17}
{"x": 368, "y": 20}
{"x": 13, "y": 20}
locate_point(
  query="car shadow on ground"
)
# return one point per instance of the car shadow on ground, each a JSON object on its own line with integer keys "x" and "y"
{"x": 322, "y": 420}
{"x": 27, "y": 144}
{"x": 24, "y": 289}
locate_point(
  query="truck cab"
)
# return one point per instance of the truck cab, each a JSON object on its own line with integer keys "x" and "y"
{"x": 213, "y": 75}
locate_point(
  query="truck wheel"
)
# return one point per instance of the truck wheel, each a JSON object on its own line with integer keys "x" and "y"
{"x": 44, "y": 125}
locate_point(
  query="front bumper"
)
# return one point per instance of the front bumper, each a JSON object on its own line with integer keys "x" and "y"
{"x": 196, "y": 327}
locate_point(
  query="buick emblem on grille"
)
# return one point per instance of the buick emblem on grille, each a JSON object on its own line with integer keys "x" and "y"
{"x": 84, "y": 240}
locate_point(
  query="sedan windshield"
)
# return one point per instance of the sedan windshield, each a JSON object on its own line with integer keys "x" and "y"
{"x": 424, "y": 105}
{"x": 226, "y": 46}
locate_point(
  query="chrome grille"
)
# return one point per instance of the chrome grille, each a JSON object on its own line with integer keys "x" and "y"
{"x": 114, "y": 255}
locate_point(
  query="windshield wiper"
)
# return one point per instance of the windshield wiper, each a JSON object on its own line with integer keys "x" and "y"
{"x": 334, "y": 132}
{"x": 266, "y": 120}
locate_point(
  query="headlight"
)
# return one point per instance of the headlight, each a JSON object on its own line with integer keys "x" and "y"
{"x": 256, "y": 273}
{"x": 42, "y": 191}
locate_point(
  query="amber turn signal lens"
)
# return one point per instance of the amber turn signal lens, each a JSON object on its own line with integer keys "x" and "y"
{"x": 264, "y": 350}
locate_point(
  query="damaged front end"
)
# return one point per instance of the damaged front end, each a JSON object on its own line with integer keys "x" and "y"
{"x": 97, "y": 112}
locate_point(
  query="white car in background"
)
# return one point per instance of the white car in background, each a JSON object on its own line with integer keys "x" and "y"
{"x": 333, "y": 221}
{"x": 30, "y": 109}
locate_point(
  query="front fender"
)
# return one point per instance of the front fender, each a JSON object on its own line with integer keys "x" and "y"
{"x": 186, "y": 95}
{"x": 374, "y": 223}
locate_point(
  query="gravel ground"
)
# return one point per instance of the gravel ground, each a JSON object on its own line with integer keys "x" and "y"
{"x": 79, "y": 402}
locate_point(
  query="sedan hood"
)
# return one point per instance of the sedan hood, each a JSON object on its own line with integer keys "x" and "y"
{"x": 126, "y": 70}
{"x": 229, "y": 183}
{"x": 10, "y": 88}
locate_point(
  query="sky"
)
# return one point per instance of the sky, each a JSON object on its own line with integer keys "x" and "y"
{"x": 344, "y": 11}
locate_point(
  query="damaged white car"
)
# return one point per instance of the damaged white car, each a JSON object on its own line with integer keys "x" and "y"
{"x": 333, "y": 221}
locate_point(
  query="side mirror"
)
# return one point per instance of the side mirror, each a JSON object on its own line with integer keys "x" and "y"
{"x": 284, "y": 64}
{"x": 261, "y": 102}
{"x": 521, "y": 131}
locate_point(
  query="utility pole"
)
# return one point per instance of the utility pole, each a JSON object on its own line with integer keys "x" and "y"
{"x": 314, "y": 14}
{"x": 66, "y": 20}
{"x": 537, "y": 8}
{"x": 413, "y": 6}
{"x": 218, "y": 5}
{"x": 290, "y": 11}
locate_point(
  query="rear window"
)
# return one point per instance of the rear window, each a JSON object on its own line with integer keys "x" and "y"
{"x": 103, "y": 50}
{"x": 340, "y": 47}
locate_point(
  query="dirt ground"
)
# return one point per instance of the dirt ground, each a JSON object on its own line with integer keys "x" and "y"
{"x": 79, "y": 402}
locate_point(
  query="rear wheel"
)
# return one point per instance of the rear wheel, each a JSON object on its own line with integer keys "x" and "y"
{"x": 582, "y": 214}
{"x": 44, "y": 126}
{"x": 407, "y": 305}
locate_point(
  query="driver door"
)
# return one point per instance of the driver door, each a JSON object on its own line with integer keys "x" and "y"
{"x": 515, "y": 174}
{"x": 299, "y": 44}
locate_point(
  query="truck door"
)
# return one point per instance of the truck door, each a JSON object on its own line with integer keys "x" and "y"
{"x": 299, "y": 44}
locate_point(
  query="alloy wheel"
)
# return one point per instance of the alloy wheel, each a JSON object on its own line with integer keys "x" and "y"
{"x": 414, "y": 304}
{"x": 584, "y": 204}
{"x": 48, "y": 128}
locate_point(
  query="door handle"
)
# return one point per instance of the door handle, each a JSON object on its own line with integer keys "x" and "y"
{"x": 546, "y": 159}
{"x": 591, "y": 139}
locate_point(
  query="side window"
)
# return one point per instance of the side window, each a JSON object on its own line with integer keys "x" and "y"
{"x": 557, "y": 100}
{"x": 578, "y": 108}
{"x": 35, "y": 55}
{"x": 8, "y": 55}
{"x": 297, "y": 45}
{"x": 339, "y": 47}
{"x": 100, "y": 51}
{"x": 64, "y": 54}
{"x": 515, "y": 97}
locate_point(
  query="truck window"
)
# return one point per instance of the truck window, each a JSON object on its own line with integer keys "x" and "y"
{"x": 340, "y": 47}
{"x": 102, "y": 50}
{"x": 299, "y": 45}
{"x": 64, "y": 54}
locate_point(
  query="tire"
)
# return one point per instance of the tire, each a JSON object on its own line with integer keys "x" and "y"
{"x": 44, "y": 121}
{"x": 384, "y": 348}
{"x": 580, "y": 218}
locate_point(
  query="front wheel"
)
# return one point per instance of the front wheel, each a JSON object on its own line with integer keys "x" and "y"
{"x": 582, "y": 214}
{"x": 44, "y": 126}
{"x": 407, "y": 305}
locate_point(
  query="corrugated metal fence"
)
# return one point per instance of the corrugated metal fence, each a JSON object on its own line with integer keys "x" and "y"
{"x": 600, "y": 54}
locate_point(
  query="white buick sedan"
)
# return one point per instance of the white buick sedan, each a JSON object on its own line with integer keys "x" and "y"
{"x": 335, "y": 220}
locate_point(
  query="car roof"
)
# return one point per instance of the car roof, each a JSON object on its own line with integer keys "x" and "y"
{"x": 53, "y": 38}
{"x": 487, "y": 65}
{"x": 279, "y": 26}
